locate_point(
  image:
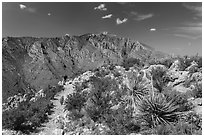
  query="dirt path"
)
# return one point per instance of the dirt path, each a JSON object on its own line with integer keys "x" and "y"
{"x": 51, "y": 128}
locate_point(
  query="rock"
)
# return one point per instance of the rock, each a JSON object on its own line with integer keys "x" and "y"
{"x": 198, "y": 110}
{"x": 193, "y": 67}
{"x": 157, "y": 67}
{"x": 13, "y": 101}
{"x": 197, "y": 102}
{"x": 115, "y": 107}
{"x": 197, "y": 76}
{"x": 175, "y": 66}
{"x": 8, "y": 132}
{"x": 38, "y": 95}
{"x": 134, "y": 134}
{"x": 180, "y": 88}
{"x": 58, "y": 132}
{"x": 178, "y": 77}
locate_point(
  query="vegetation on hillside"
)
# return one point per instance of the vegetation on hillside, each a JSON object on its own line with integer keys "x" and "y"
{"x": 118, "y": 101}
{"x": 120, "y": 110}
{"x": 30, "y": 114}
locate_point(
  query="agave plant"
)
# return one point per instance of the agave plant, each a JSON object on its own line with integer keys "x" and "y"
{"x": 155, "y": 110}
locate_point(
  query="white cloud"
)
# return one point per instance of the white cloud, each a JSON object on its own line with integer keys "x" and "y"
{"x": 118, "y": 21}
{"x": 133, "y": 13}
{"x": 32, "y": 10}
{"x": 189, "y": 30}
{"x": 107, "y": 16}
{"x": 49, "y": 14}
{"x": 152, "y": 29}
{"x": 101, "y": 7}
{"x": 187, "y": 36}
{"x": 143, "y": 16}
{"x": 22, "y": 6}
{"x": 194, "y": 7}
{"x": 28, "y": 9}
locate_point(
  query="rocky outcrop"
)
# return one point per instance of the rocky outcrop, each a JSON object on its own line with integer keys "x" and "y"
{"x": 38, "y": 95}
{"x": 193, "y": 67}
{"x": 179, "y": 78}
{"x": 13, "y": 101}
{"x": 34, "y": 63}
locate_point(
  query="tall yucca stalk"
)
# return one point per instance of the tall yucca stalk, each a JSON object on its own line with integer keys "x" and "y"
{"x": 155, "y": 110}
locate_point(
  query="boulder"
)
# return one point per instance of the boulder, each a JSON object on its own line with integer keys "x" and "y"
{"x": 177, "y": 77}
{"x": 197, "y": 76}
{"x": 198, "y": 110}
{"x": 180, "y": 88}
{"x": 175, "y": 66}
{"x": 197, "y": 102}
{"x": 193, "y": 67}
{"x": 157, "y": 67}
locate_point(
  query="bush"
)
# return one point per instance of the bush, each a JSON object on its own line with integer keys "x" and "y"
{"x": 164, "y": 61}
{"x": 157, "y": 109}
{"x": 197, "y": 92}
{"x": 123, "y": 111}
{"x": 178, "y": 128}
{"x": 130, "y": 62}
{"x": 13, "y": 119}
{"x": 159, "y": 79}
{"x": 74, "y": 101}
{"x": 180, "y": 99}
{"x": 29, "y": 115}
{"x": 99, "y": 98}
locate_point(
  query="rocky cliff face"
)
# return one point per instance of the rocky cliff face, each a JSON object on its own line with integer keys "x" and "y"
{"x": 34, "y": 63}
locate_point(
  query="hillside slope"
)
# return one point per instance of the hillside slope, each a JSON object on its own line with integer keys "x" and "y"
{"x": 34, "y": 63}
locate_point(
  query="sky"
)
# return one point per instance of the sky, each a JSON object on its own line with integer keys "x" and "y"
{"x": 170, "y": 27}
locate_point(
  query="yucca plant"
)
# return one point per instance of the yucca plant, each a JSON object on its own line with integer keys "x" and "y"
{"x": 140, "y": 89}
{"x": 155, "y": 110}
{"x": 137, "y": 94}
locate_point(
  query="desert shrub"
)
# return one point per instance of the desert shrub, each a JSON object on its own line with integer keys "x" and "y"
{"x": 116, "y": 73}
{"x": 51, "y": 91}
{"x": 120, "y": 122}
{"x": 74, "y": 101}
{"x": 29, "y": 115}
{"x": 167, "y": 62}
{"x": 99, "y": 98}
{"x": 192, "y": 118}
{"x": 186, "y": 61}
{"x": 178, "y": 128}
{"x": 164, "y": 61}
{"x": 13, "y": 119}
{"x": 123, "y": 111}
{"x": 98, "y": 107}
{"x": 102, "y": 73}
{"x": 197, "y": 92}
{"x": 159, "y": 79}
{"x": 157, "y": 109}
{"x": 130, "y": 62}
{"x": 180, "y": 99}
{"x": 26, "y": 117}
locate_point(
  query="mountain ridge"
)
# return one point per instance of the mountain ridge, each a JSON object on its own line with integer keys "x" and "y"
{"x": 40, "y": 62}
